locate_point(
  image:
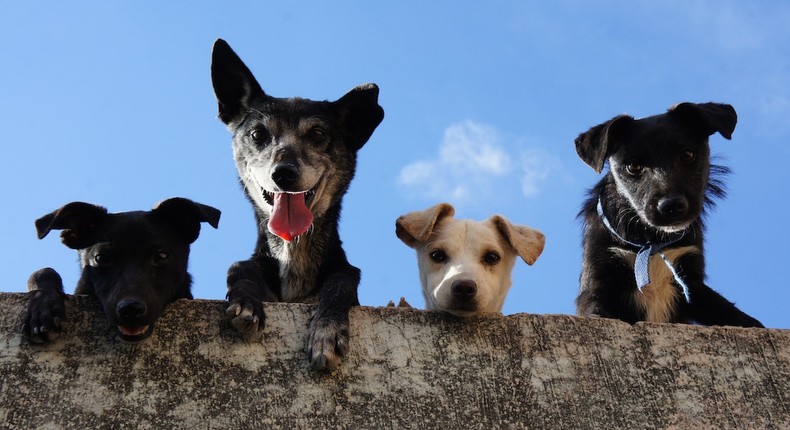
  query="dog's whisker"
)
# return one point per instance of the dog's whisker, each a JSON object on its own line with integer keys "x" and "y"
{"x": 258, "y": 112}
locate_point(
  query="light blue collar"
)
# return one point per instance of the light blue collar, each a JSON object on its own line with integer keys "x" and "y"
{"x": 641, "y": 272}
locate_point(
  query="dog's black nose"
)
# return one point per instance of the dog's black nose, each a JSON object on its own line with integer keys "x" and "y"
{"x": 673, "y": 206}
{"x": 463, "y": 289}
{"x": 285, "y": 175}
{"x": 131, "y": 308}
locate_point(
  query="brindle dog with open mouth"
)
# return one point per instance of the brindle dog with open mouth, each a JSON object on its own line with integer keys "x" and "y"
{"x": 295, "y": 158}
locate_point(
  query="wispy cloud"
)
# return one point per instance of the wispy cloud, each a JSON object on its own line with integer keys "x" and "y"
{"x": 473, "y": 162}
{"x": 536, "y": 166}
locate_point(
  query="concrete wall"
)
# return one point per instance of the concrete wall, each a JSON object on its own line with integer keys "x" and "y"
{"x": 407, "y": 369}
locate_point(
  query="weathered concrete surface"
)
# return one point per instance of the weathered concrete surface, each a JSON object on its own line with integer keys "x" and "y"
{"x": 407, "y": 369}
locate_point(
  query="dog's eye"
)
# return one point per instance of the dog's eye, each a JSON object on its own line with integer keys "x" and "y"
{"x": 634, "y": 169}
{"x": 160, "y": 257}
{"x": 438, "y": 256}
{"x": 102, "y": 259}
{"x": 491, "y": 258}
{"x": 688, "y": 156}
{"x": 259, "y": 134}
{"x": 317, "y": 133}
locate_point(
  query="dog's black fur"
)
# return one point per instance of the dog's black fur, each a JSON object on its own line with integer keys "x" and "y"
{"x": 135, "y": 263}
{"x": 294, "y": 147}
{"x": 658, "y": 186}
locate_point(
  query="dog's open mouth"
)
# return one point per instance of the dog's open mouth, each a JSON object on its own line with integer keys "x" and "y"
{"x": 291, "y": 215}
{"x": 308, "y": 196}
{"x": 134, "y": 334}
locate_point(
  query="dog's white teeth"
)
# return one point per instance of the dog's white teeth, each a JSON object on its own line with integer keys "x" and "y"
{"x": 308, "y": 196}
{"x": 268, "y": 196}
{"x": 132, "y": 331}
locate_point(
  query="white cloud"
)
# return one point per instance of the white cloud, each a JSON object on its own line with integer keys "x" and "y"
{"x": 536, "y": 165}
{"x": 473, "y": 146}
{"x": 472, "y": 163}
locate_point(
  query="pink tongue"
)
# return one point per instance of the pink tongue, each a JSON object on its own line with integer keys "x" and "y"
{"x": 290, "y": 216}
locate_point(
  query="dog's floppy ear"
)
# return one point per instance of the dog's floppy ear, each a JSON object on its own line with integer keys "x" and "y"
{"x": 360, "y": 112}
{"x": 594, "y": 145}
{"x": 707, "y": 117}
{"x": 185, "y": 216}
{"x": 527, "y": 242}
{"x": 416, "y": 227}
{"x": 234, "y": 84}
{"x": 78, "y": 221}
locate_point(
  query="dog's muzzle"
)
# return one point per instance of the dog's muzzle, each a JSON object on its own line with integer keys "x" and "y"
{"x": 131, "y": 314}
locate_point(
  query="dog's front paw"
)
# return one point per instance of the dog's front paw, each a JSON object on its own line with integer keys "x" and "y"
{"x": 245, "y": 307}
{"x": 46, "y": 310}
{"x": 328, "y": 343}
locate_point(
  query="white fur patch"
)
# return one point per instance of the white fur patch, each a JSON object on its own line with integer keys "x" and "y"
{"x": 623, "y": 190}
{"x": 659, "y": 298}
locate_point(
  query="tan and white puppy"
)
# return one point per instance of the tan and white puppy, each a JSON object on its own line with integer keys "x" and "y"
{"x": 465, "y": 265}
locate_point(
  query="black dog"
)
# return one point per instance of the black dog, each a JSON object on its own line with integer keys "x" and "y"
{"x": 295, "y": 159}
{"x": 643, "y": 233}
{"x": 135, "y": 263}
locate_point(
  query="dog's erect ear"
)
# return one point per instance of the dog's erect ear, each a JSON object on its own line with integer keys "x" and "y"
{"x": 594, "y": 145}
{"x": 707, "y": 117}
{"x": 185, "y": 216}
{"x": 78, "y": 221}
{"x": 416, "y": 227}
{"x": 527, "y": 242}
{"x": 360, "y": 113}
{"x": 234, "y": 84}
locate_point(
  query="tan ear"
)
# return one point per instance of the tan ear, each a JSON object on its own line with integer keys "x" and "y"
{"x": 415, "y": 227}
{"x": 527, "y": 242}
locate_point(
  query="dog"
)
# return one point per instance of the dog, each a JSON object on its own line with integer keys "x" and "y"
{"x": 465, "y": 265}
{"x": 644, "y": 220}
{"x": 295, "y": 159}
{"x": 134, "y": 263}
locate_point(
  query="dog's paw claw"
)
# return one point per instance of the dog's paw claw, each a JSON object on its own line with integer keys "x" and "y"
{"x": 245, "y": 307}
{"x": 44, "y": 316}
{"x": 245, "y": 325}
{"x": 246, "y": 321}
{"x": 42, "y": 334}
{"x": 233, "y": 310}
{"x": 328, "y": 344}
{"x": 342, "y": 346}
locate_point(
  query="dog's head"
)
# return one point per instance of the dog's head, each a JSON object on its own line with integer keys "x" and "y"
{"x": 135, "y": 262}
{"x": 296, "y": 157}
{"x": 465, "y": 265}
{"x": 660, "y": 164}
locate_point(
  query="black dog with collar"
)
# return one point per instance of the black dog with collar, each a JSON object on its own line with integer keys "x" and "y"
{"x": 643, "y": 222}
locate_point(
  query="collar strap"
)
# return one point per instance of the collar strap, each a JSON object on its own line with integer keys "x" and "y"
{"x": 642, "y": 262}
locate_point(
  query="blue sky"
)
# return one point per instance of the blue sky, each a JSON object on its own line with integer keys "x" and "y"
{"x": 111, "y": 103}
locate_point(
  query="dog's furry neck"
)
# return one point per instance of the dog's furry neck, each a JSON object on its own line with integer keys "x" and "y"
{"x": 299, "y": 260}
